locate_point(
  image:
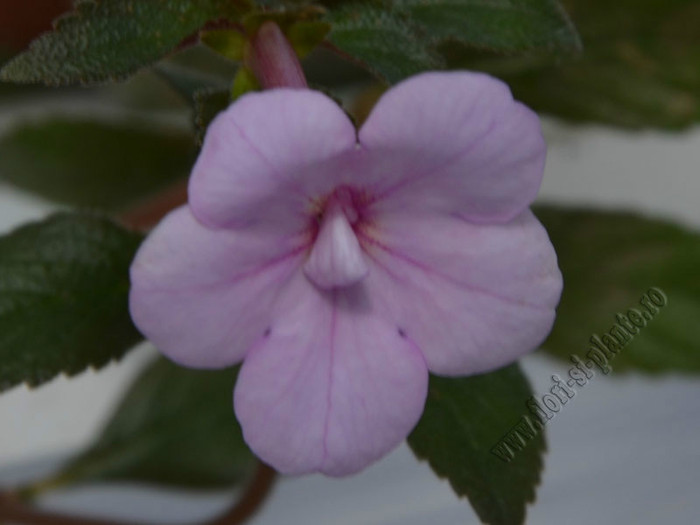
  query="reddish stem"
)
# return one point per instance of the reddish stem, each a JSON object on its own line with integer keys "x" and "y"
{"x": 14, "y": 511}
{"x": 144, "y": 216}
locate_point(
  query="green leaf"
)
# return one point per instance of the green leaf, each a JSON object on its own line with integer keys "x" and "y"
{"x": 306, "y": 35}
{"x": 503, "y": 25}
{"x": 64, "y": 285}
{"x": 610, "y": 93}
{"x": 244, "y": 82}
{"x": 174, "y": 427}
{"x": 609, "y": 261}
{"x": 210, "y": 102}
{"x": 464, "y": 420}
{"x": 384, "y": 41}
{"x": 400, "y": 39}
{"x": 186, "y": 81}
{"x": 639, "y": 69}
{"x": 108, "y": 40}
{"x": 92, "y": 163}
{"x": 226, "y": 42}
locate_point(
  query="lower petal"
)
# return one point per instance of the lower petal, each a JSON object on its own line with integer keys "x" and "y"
{"x": 472, "y": 297}
{"x": 332, "y": 387}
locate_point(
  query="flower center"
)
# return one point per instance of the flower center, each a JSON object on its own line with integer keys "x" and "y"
{"x": 336, "y": 259}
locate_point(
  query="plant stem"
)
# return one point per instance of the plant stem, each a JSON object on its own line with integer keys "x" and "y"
{"x": 144, "y": 216}
{"x": 13, "y": 510}
{"x": 252, "y": 499}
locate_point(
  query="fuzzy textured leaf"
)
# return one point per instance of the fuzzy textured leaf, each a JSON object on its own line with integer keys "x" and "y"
{"x": 502, "y": 25}
{"x": 64, "y": 285}
{"x": 174, "y": 427}
{"x": 464, "y": 419}
{"x": 384, "y": 41}
{"x": 108, "y": 40}
{"x": 609, "y": 260}
{"x": 94, "y": 163}
{"x": 396, "y": 40}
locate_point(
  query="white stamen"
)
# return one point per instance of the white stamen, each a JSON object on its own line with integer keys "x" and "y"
{"x": 336, "y": 257}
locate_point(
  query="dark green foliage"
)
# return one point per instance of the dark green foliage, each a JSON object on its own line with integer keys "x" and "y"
{"x": 174, "y": 427}
{"x": 94, "y": 163}
{"x": 400, "y": 39}
{"x": 207, "y": 104}
{"x": 505, "y": 26}
{"x": 383, "y": 41}
{"x": 639, "y": 69}
{"x": 464, "y": 419}
{"x": 108, "y": 40}
{"x": 609, "y": 260}
{"x": 64, "y": 285}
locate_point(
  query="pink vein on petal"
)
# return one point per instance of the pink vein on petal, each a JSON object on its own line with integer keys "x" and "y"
{"x": 431, "y": 271}
{"x": 329, "y": 390}
{"x": 293, "y": 183}
{"x": 233, "y": 280}
{"x": 409, "y": 179}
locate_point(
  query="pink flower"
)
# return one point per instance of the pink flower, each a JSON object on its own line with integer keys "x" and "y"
{"x": 341, "y": 266}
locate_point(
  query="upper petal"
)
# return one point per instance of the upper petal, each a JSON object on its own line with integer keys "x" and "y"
{"x": 266, "y": 156}
{"x": 202, "y": 296}
{"x": 332, "y": 387}
{"x": 455, "y": 142}
{"x": 472, "y": 297}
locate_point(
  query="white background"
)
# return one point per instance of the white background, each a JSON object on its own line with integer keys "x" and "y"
{"x": 625, "y": 450}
